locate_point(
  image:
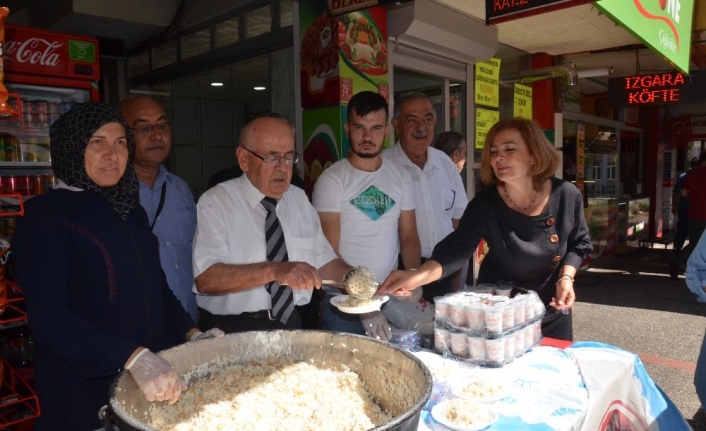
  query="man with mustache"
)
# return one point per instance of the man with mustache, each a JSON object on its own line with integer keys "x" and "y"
{"x": 366, "y": 206}
{"x": 259, "y": 249}
{"x": 438, "y": 190}
{"x": 166, "y": 197}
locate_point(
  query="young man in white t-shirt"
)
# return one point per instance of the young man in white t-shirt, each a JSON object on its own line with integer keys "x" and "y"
{"x": 366, "y": 206}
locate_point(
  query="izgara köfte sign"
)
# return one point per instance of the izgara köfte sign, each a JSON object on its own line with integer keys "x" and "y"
{"x": 657, "y": 89}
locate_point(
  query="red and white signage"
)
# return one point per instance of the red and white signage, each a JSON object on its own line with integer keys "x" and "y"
{"x": 338, "y": 7}
{"x": 31, "y": 51}
{"x": 657, "y": 89}
{"x": 497, "y": 11}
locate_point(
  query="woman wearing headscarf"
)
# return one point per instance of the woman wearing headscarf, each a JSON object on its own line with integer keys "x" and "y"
{"x": 88, "y": 264}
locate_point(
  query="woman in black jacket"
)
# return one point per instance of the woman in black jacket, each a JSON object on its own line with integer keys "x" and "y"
{"x": 533, "y": 223}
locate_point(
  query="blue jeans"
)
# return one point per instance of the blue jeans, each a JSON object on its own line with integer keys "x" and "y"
{"x": 338, "y": 321}
{"x": 700, "y": 374}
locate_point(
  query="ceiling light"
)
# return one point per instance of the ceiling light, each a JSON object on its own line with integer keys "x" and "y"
{"x": 217, "y": 84}
{"x": 259, "y": 88}
{"x": 592, "y": 73}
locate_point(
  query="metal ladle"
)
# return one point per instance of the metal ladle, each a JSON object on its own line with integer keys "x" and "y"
{"x": 359, "y": 282}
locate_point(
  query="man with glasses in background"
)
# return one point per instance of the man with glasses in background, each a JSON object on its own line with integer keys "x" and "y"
{"x": 438, "y": 189}
{"x": 259, "y": 249}
{"x": 166, "y": 198}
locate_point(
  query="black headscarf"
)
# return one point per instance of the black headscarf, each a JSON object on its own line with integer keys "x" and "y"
{"x": 69, "y": 136}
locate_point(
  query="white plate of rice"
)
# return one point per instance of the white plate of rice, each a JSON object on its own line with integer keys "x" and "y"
{"x": 351, "y": 305}
{"x": 464, "y": 415}
{"x": 481, "y": 390}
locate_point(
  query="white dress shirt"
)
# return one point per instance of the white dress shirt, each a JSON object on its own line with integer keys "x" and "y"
{"x": 438, "y": 192}
{"x": 230, "y": 229}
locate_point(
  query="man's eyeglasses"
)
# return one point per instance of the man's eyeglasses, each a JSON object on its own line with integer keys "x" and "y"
{"x": 161, "y": 128}
{"x": 275, "y": 159}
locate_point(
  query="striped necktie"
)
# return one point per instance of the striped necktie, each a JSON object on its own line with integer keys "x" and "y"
{"x": 282, "y": 297}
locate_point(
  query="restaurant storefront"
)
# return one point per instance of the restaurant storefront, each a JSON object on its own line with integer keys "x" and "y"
{"x": 218, "y": 74}
{"x": 603, "y": 158}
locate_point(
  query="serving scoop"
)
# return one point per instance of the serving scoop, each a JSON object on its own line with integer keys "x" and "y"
{"x": 359, "y": 282}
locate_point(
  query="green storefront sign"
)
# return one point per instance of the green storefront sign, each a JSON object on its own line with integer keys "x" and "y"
{"x": 663, "y": 25}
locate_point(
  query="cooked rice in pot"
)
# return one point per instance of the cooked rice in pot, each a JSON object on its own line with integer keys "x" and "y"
{"x": 271, "y": 394}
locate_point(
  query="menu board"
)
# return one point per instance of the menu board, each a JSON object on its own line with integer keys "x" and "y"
{"x": 522, "y": 101}
{"x": 485, "y": 119}
{"x": 487, "y": 83}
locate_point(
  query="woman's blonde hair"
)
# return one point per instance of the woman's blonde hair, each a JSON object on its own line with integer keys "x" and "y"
{"x": 545, "y": 155}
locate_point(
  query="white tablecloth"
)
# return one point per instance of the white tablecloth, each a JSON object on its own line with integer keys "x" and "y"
{"x": 587, "y": 387}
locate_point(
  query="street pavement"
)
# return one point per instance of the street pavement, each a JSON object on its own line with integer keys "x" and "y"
{"x": 630, "y": 302}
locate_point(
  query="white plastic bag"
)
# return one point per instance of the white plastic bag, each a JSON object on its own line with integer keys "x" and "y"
{"x": 418, "y": 316}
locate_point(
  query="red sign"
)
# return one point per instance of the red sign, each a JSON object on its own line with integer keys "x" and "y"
{"x": 338, "y": 7}
{"x": 31, "y": 51}
{"x": 653, "y": 88}
{"x": 497, "y": 11}
{"x": 657, "y": 89}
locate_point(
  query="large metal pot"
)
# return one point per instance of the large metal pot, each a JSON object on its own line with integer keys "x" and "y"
{"x": 382, "y": 366}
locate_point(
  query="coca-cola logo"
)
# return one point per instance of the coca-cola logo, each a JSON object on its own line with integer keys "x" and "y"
{"x": 33, "y": 51}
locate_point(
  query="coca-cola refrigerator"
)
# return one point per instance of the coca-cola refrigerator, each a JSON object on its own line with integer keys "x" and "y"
{"x": 45, "y": 74}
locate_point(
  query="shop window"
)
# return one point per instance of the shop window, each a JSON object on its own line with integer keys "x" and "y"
{"x": 227, "y": 32}
{"x": 596, "y": 173}
{"x": 457, "y": 107}
{"x": 252, "y": 75}
{"x": 217, "y": 120}
{"x": 258, "y": 21}
{"x": 285, "y": 13}
{"x": 164, "y": 55}
{"x": 208, "y": 118}
{"x": 599, "y": 163}
{"x": 195, "y": 43}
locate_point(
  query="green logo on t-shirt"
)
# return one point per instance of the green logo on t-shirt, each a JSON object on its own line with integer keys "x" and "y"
{"x": 373, "y": 202}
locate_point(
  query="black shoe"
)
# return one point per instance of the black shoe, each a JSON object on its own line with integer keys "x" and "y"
{"x": 674, "y": 270}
